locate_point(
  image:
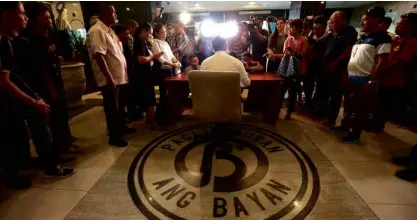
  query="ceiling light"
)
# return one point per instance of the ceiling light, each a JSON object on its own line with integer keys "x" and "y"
{"x": 251, "y": 3}
{"x": 127, "y": 9}
{"x": 75, "y": 4}
{"x": 322, "y": 2}
{"x": 197, "y": 5}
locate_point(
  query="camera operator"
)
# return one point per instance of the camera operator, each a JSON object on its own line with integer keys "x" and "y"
{"x": 258, "y": 38}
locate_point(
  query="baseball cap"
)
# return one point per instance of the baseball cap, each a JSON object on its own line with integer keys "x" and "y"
{"x": 376, "y": 12}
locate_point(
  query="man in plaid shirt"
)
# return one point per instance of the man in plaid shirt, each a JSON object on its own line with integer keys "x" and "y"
{"x": 178, "y": 41}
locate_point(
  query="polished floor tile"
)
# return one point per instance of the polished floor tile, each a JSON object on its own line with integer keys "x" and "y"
{"x": 390, "y": 212}
{"x": 376, "y": 183}
{"x": 355, "y": 181}
{"x": 40, "y": 204}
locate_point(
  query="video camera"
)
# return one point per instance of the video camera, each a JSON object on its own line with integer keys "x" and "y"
{"x": 252, "y": 22}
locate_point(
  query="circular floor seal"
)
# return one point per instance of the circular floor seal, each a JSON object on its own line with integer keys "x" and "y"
{"x": 223, "y": 171}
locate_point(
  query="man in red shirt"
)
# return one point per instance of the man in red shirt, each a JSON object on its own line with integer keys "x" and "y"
{"x": 403, "y": 58}
{"x": 401, "y": 61}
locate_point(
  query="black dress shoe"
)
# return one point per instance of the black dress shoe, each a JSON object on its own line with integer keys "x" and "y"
{"x": 407, "y": 174}
{"x": 404, "y": 161}
{"x": 59, "y": 171}
{"x": 118, "y": 142}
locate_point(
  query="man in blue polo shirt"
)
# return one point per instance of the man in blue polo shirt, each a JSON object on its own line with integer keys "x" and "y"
{"x": 367, "y": 60}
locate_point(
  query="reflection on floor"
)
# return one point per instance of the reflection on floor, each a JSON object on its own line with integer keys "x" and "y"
{"x": 356, "y": 182}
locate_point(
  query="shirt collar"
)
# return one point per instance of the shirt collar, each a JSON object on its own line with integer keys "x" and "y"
{"x": 102, "y": 25}
{"x": 221, "y": 52}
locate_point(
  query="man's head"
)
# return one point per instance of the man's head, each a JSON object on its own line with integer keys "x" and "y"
{"x": 407, "y": 26}
{"x": 319, "y": 26}
{"x": 132, "y": 25}
{"x": 107, "y": 14}
{"x": 337, "y": 21}
{"x": 179, "y": 28}
{"x": 193, "y": 60}
{"x": 13, "y": 16}
{"x": 386, "y": 22}
{"x": 259, "y": 22}
{"x": 219, "y": 44}
{"x": 122, "y": 32}
{"x": 247, "y": 57}
{"x": 307, "y": 26}
{"x": 170, "y": 28}
{"x": 39, "y": 16}
{"x": 372, "y": 19}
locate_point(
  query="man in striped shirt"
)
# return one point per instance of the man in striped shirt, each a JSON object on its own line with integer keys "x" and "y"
{"x": 178, "y": 41}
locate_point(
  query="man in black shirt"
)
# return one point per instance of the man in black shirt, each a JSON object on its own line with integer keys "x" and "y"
{"x": 339, "y": 46}
{"x": 19, "y": 101}
{"x": 127, "y": 94}
{"x": 317, "y": 42}
{"x": 43, "y": 74}
{"x": 259, "y": 40}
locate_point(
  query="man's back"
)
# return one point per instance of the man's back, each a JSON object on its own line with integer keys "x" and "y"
{"x": 221, "y": 61}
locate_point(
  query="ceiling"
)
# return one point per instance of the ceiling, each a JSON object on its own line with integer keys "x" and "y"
{"x": 203, "y": 6}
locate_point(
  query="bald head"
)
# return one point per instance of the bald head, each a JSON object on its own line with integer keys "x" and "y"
{"x": 337, "y": 21}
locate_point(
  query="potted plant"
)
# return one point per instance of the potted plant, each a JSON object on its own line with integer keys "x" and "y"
{"x": 73, "y": 72}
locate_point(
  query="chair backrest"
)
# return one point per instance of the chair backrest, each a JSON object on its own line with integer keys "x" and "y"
{"x": 216, "y": 95}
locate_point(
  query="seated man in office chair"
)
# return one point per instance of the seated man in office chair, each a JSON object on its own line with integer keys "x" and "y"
{"x": 250, "y": 65}
{"x": 222, "y": 61}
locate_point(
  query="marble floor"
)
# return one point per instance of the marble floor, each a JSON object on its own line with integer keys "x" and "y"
{"x": 297, "y": 170}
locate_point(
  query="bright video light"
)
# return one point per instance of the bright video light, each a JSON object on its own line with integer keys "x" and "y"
{"x": 211, "y": 29}
{"x": 208, "y": 28}
{"x": 227, "y": 30}
{"x": 185, "y": 18}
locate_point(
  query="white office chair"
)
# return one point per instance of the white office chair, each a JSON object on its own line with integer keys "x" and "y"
{"x": 216, "y": 95}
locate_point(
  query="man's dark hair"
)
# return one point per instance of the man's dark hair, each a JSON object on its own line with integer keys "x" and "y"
{"x": 342, "y": 14}
{"x": 247, "y": 54}
{"x": 103, "y": 7}
{"x": 9, "y": 7}
{"x": 412, "y": 21}
{"x": 156, "y": 28}
{"x": 132, "y": 22}
{"x": 34, "y": 9}
{"x": 387, "y": 21}
{"x": 119, "y": 29}
{"x": 376, "y": 12}
{"x": 320, "y": 20}
{"x": 141, "y": 28}
{"x": 191, "y": 57}
{"x": 259, "y": 18}
{"x": 219, "y": 43}
{"x": 307, "y": 23}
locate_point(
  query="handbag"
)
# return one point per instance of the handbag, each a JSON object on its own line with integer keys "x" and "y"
{"x": 289, "y": 67}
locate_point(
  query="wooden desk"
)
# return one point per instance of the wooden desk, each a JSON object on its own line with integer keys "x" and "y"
{"x": 255, "y": 77}
{"x": 263, "y": 95}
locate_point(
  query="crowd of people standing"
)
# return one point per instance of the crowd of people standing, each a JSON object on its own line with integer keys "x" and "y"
{"x": 372, "y": 75}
